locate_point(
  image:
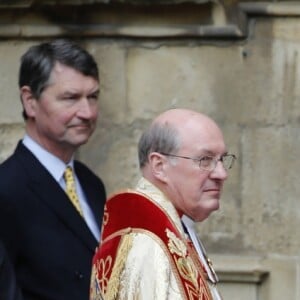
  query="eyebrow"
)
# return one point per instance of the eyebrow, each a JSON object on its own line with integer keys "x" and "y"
{"x": 211, "y": 153}
{"x": 74, "y": 93}
{"x": 96, "y": 92}
{"x": 69, "y": 94}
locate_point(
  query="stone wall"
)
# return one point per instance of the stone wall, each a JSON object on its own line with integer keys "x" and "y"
{"x": 239, "y": 63}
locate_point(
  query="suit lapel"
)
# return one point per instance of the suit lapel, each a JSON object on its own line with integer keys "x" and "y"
{"x": 48, "y": 190}
{"x": 93, "y": 196}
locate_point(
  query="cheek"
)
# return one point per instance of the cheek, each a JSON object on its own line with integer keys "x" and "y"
{"x": 95, "y": 113}
{"x": 95, "y": 110}
{"x": 57, "y": 114}
{"x": 197, "y": 180}
{"x": 195, "y": 188}
{"x": 64, "y": 114}
{"x": 62, "y": 118}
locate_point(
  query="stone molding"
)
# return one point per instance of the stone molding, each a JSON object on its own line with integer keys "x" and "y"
{"x": 240, "y": 269}
{"x": 210, "y": 19}
{"x": 270, "y": 276}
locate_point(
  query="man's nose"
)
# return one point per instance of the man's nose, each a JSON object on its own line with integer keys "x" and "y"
{"x": 219, "y": 172}
{"x": 86, "y": 108}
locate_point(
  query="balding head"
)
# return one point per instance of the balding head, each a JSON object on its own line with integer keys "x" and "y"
{"x": 178, "y": 116}
{"x": 168, "y": 131}
{"x": 170, "y": 151}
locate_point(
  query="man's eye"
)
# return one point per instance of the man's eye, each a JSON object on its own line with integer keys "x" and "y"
{"x": 94, "y": 97}
{"x": 206, "y": 160}
{"x": 70, "y": 97}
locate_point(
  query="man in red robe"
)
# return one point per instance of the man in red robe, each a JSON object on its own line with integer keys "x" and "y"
{"x": 149, "y": 249}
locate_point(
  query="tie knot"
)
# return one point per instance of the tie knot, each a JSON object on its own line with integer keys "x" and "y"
{"x": 68, "y": 174}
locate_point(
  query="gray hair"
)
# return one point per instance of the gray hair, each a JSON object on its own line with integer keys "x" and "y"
{"x": 161, "y": 138}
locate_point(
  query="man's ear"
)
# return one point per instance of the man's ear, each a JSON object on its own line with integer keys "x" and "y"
{"x": 28, "y": 101}
{"x": 158, "y": 164}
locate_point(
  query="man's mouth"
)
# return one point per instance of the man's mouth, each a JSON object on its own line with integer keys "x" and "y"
{"x": 212, "y": 190}
{"x": 81, "y": 126}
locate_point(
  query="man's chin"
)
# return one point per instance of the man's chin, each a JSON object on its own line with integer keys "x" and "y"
{"x": 215, "y": 205}
{"x": 203, "y": 215}
{"x": 81, "y": 139}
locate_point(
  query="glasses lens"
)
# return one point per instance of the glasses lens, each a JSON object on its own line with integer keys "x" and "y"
{"x": 207, "y": 163}
{"x": 228, "y": 161}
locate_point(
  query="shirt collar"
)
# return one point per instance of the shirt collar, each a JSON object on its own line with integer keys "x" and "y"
{"x": 52, "y": 163}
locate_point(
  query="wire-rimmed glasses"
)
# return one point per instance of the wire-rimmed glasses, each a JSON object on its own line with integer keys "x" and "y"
{"x": 207, "y": 162}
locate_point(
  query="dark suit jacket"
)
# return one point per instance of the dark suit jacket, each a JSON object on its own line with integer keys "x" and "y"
{"x": 49, "y": 243}
{"x": 8, "y": 287}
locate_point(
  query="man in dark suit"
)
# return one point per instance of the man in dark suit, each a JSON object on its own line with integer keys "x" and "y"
{"x": 8, "y": 287}
{"x": 50, "y": 222}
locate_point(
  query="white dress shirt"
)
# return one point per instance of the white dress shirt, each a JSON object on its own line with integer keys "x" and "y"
{"x": 212, "y": 276}
{"x": 56, "y": 168}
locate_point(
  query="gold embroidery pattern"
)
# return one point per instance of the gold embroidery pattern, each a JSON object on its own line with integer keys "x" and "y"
{"x": 113, "y": 286}
{"x": 105, "y": 216}
{"x": 106, "y": 271}
{"x": 186, "y": 267}
{"x": 176, "y": 245}
{"x": 104, "y": 267}
{"x": 187, "y": 270}
{"x": 105, "y": 220}
{"x": 95, "y": 291}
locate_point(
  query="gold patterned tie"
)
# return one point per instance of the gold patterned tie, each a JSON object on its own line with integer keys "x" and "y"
{"x": 71, "y": 188}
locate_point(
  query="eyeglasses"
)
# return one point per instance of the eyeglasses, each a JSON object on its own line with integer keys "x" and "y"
{"x": 209, "y": 163}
